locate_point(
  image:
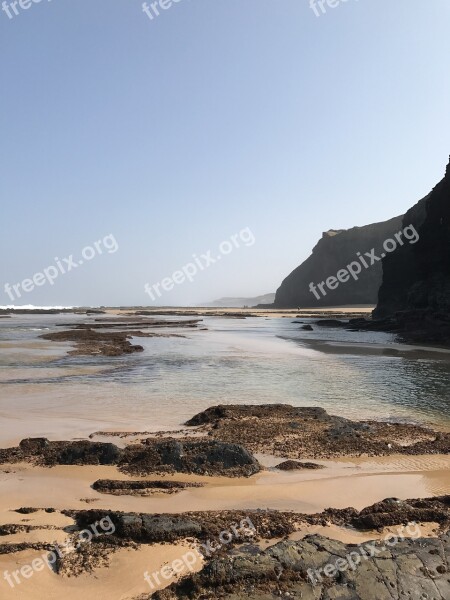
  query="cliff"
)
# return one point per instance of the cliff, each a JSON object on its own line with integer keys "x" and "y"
{"x": 336, "y": 250}
{"x": 417, "y": 277}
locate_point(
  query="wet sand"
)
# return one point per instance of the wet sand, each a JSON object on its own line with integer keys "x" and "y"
{"x": 123, "y": 579}
{"x": 334, "y": 311}
{"x": 343, "y": 483}
{"x": 356, "y": 482}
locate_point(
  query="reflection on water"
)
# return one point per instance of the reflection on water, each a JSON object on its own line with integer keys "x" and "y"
{"x": 235, "y": 361}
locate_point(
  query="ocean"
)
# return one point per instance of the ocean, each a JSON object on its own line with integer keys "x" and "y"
{"x": 45, "y": 392}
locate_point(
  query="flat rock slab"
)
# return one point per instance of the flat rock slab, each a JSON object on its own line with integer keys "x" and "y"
{"x": 310, "y": 432}
{"x": 412, "y": 569}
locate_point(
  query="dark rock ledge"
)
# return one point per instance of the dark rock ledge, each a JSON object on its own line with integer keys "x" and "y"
{"x": 140, "y": 487}
{"x": 201, "y": 457}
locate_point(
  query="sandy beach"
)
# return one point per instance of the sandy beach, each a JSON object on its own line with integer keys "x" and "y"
{"x": 67, "y": 458}
{"x": 351, "y": 482}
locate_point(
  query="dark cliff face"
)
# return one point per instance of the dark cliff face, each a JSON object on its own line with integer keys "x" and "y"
{"x": 417, "y": 277}
{"x": 334, "y": 252}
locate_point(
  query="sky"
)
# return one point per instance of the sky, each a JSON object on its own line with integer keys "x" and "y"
{"x": 233, "y": 132}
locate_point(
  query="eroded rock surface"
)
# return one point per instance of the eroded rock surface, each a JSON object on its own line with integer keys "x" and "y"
{"x": 298, "y": 432}
{"x": 268, "y": 524}
{"x": 151, "y": 456}
{"x": 140, "y": 488}
{"x": 241, "y": 569}
{"x": 413, "y": 569}
{"x": 90, "y": 342}
{"x": 202, "y": 457}
{"x": 294, "y": 465}
{"x": 92, "y": 339}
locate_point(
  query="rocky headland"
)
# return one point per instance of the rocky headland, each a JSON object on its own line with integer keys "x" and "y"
{"x": 335, "y": 250}
{"x": 414, "y": 298}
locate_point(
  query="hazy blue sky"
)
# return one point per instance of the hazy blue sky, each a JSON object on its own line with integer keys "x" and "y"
{"x": 175, "y": 133}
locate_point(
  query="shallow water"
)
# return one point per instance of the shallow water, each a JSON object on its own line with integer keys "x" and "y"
{"x": 45, "y": 392}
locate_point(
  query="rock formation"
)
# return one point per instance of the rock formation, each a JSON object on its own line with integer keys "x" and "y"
{"x": 417, "y": 277}
{"x": 334, "y": 252}
{"x": 408, "y": 569}
{"x": 152, "y": 455}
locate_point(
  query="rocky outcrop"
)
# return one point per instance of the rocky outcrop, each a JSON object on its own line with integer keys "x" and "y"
{"x": 294, "y": 465}
{"x": 415, "y": 293}
{"x": 317, "y": 567}
{"x": 202, "y": 457}
{"x": 140, "y": 488}
{"x": 89, "y": 339}
{"x": 300, "y": 433}
{"x": 240, "y": 568}
{"x": 268, "y": 523}
{"x": 401, "y": 564}
{"x": 79, "y": 452}
{"x": 90, "y": 342}
{"x": 336, "y": 250}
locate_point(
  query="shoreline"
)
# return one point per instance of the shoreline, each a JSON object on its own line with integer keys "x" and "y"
{"x": 168, "y": 488}
{"x": 290, "y": 509}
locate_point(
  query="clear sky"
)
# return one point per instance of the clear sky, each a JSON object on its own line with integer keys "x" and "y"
{"x": 176, "y": 133}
